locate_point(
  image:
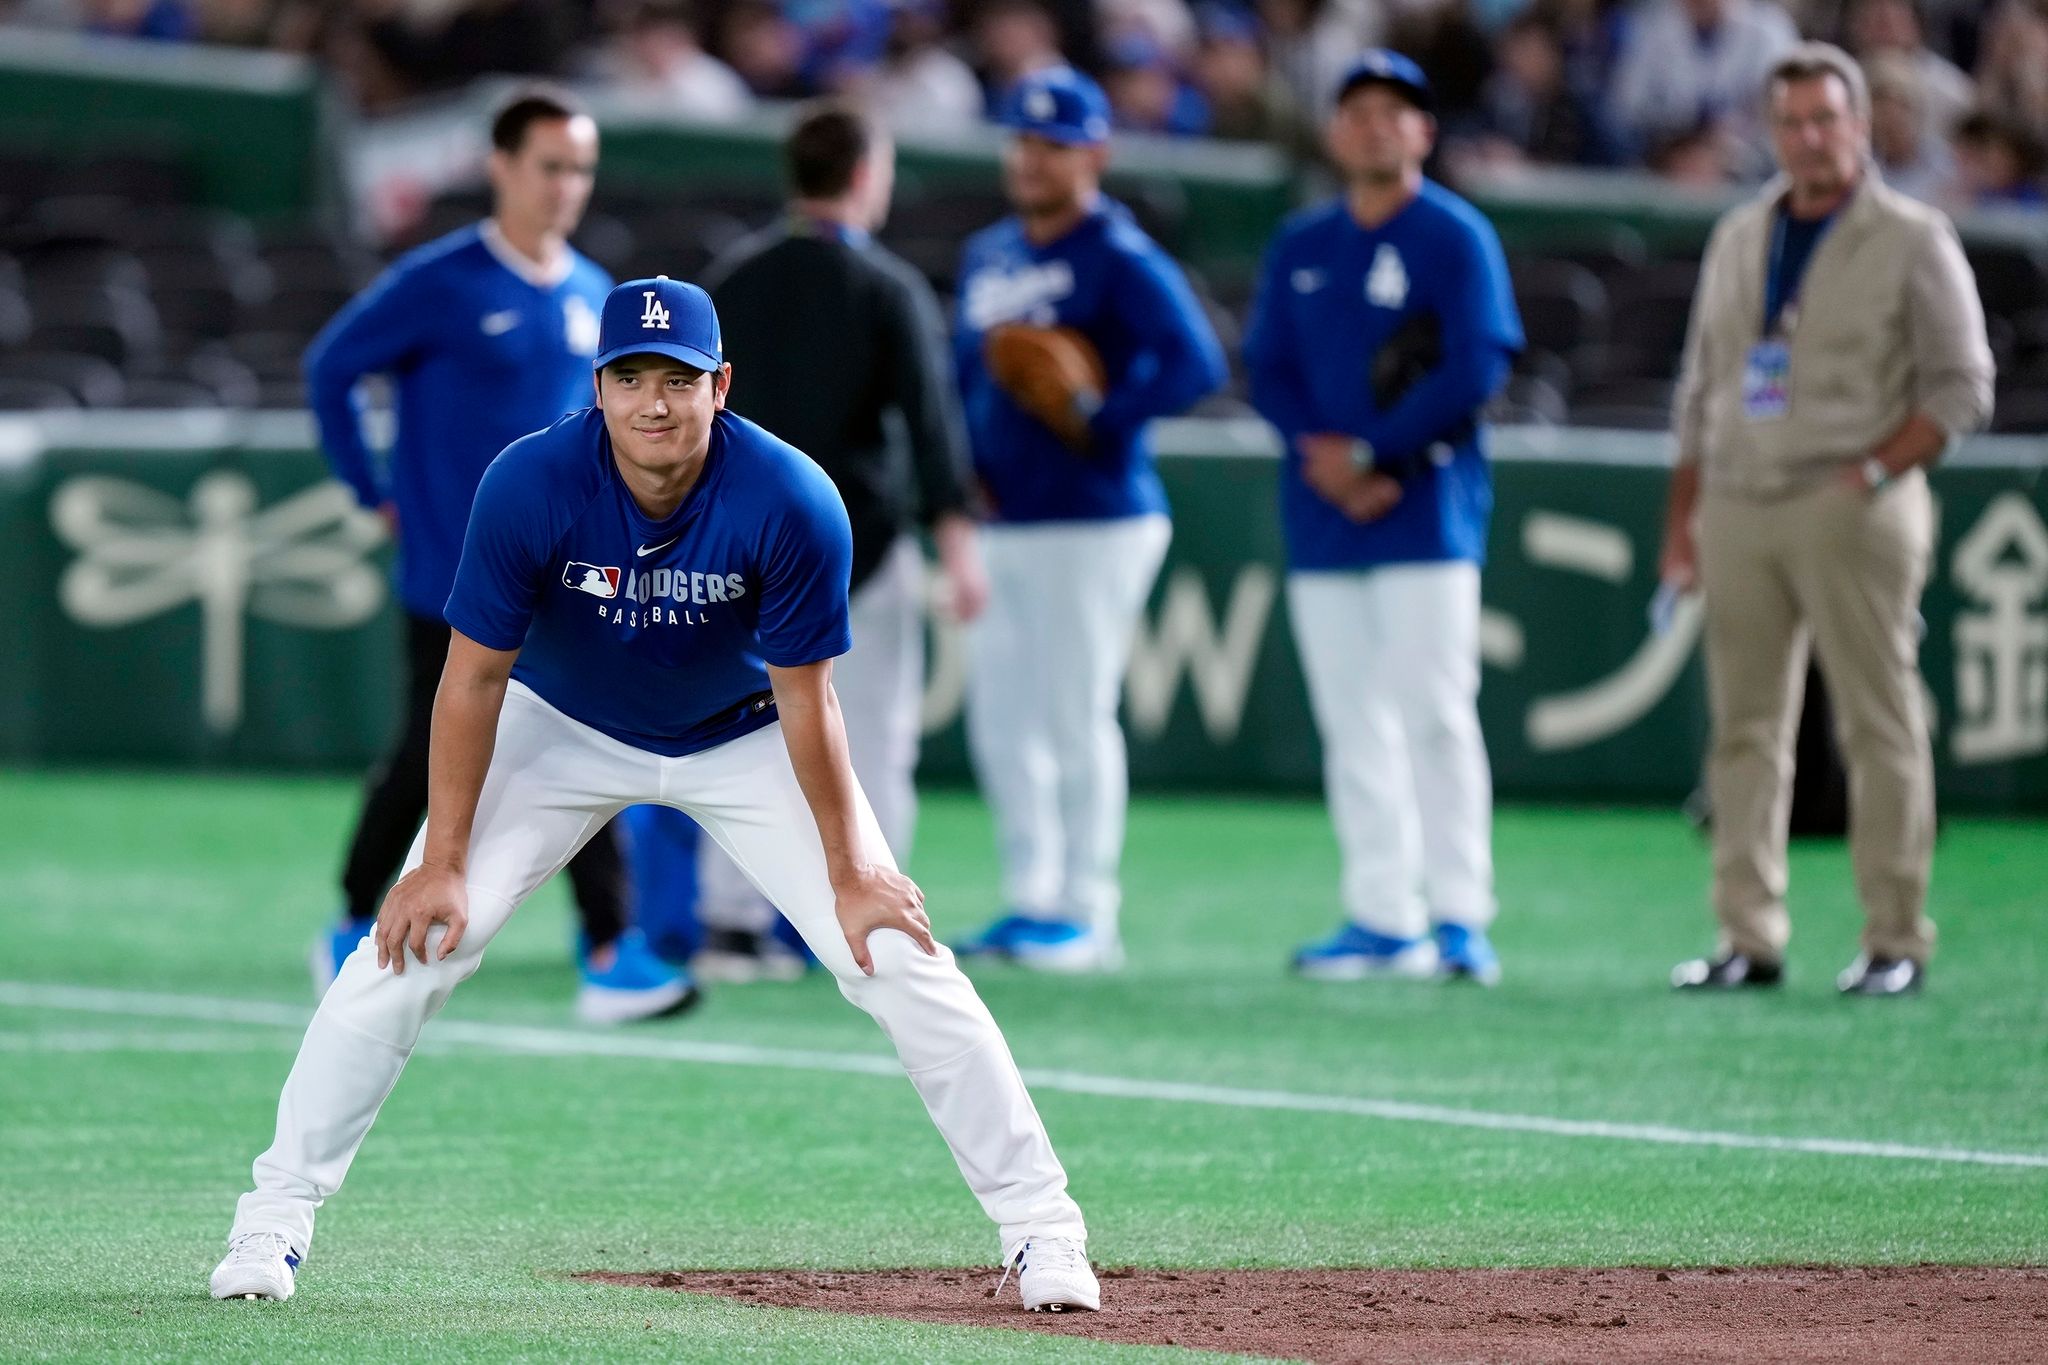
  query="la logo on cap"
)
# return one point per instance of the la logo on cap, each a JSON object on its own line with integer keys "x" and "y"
{"x": 1039, "y": 103}
{"x": 655, "y": 315}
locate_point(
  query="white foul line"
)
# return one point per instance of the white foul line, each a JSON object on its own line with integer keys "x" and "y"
{"x": 552, "y": 1042}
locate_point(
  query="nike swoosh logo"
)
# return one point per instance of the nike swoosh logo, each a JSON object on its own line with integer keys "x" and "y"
{"x": 646, "y": 550}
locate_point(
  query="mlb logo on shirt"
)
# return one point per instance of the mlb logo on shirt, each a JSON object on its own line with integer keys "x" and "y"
{"x": 594, "y": 579}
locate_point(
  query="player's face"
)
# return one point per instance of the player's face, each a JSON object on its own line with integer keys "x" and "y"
{"x": 1043, "y": 177}
{"x": 544, "y": 186}
{"x": 1818, "y": 138}
{"x": 1377, "y": 135}
{"x": 658, "y": 411}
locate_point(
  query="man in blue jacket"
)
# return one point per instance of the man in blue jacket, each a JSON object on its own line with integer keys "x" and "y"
{"x": 1077, "y": 519}
{"x": 483, "y": 336}
{"x": 1384, "y": 322}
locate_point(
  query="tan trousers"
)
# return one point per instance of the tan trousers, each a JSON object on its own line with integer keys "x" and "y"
{"x": 1844, "y": 570}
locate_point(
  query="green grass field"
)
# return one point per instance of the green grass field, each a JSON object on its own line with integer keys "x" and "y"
{"x": 152, "y": 930}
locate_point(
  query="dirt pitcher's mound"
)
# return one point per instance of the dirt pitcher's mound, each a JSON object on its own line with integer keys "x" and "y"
{"x": 1916, "y": 1313}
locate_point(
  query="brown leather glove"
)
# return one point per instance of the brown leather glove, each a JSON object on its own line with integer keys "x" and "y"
{"x": 1053, "y": 373}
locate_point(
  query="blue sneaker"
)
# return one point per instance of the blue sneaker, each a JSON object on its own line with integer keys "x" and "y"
{"x": 1353, "y": 954}
{"x": 1051, "y": 945}
{"x": 1463, "y": 952}
{"x": 332, "y": 947}
{"x": 997, "y": 940}
{"x": 625, "y": 981}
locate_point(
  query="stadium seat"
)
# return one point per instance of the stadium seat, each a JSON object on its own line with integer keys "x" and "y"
{"x": 269, "y": 356}
{"x": 168, "y": 393}
{"x": 298, "y": 312}
{"x": 1563, "y": 304}
{"x": 2011, "y": 279}
{"x": 307, "y": 259}
{"x": 25, "y": 393}
{"x": 118, "y": 325}
{"x": 195, "y": 312}
{"x": 1528, "y": 399}
{"x": 87, "y": 378}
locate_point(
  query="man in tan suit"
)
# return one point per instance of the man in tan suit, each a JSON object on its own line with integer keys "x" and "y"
{"x": 1836, "y": 349}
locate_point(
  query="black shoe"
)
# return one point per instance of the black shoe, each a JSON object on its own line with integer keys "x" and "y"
{"x": 1869, "y": 975}
{"x": 1726, "y": 972}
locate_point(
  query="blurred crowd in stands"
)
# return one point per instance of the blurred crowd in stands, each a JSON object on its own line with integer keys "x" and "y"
{"x": 1959, "y": 87}
{"x": 123, "y": 285}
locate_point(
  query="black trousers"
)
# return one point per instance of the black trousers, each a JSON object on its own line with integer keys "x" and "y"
{"x": 395, "y": 802}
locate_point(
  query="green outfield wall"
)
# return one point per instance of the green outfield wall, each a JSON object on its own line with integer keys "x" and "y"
{"x": 189, "y": 589}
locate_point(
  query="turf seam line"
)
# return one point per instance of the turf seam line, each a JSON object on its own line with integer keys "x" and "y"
{"x": 556, "y": 1042}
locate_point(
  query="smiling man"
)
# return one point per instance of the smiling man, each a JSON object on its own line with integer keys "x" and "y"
{"x": 650, "y": 598}
{"x": 484, "y": 335}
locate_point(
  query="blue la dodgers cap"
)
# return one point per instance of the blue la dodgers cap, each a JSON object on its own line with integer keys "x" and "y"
{"x": 660, "y": 316}
{"x": 1381, "y": 66}
{"x": 1058, "y": 104}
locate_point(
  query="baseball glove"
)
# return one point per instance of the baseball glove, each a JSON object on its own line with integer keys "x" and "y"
{"x": 1053, "y": 373}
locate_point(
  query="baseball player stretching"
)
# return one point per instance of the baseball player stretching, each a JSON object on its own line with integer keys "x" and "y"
{"x": 1078, "y": 521}
{"x": 1383, "y": 324}
{"x": 650, "y": 597}
{"x": 485, "y": 335}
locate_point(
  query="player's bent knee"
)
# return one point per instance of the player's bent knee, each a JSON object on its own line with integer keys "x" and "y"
{"x": 896, "y": 954}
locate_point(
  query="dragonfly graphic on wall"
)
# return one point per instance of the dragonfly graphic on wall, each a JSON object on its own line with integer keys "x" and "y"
{"x": 302, "y": 561}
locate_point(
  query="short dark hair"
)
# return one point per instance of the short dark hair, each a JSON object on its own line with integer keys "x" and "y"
{"x": 535, "y": 104}
{"x": 1992, "y": 128}
{"x": 828, "y": 139}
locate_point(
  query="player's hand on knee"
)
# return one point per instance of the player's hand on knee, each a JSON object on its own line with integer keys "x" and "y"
{"x": 878, "y": 898}
{"x": 428, "y": 895}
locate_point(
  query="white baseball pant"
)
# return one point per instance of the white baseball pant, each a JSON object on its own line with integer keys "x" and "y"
{"x": 1046, "y": 666}
{"x": 552, "y": 783}
{"x": 1391, "y": 655}
{"x": 880, "y": 683}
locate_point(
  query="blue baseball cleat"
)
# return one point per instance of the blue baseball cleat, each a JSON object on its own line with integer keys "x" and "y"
{"x": 332, "y": 948}
{"x": 624, "y": 981}
{"x": 997, "y": 940}
{"x": 1354, "y": 954}
{"x": 1464, "y": 953}
{"x": 1051, "y": 945}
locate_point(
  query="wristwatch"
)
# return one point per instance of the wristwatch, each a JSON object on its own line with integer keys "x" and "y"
{"x": 1875, "y": 474}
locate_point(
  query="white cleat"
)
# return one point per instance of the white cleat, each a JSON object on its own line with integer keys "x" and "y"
{"x": 1053, "y": 1275}
{"x": 259, "y": 1265}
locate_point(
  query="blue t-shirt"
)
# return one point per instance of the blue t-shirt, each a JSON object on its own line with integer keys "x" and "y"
{"x": 1792, "y": 244}
{"x": 656, "y": 633}
{"x": 1331, "y": 295}
{"x": 1112, "y": 283}
{"x": 478, "y": 356}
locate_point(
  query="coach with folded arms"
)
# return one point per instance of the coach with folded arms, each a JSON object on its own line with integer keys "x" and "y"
{"x": 1836, "y": 350}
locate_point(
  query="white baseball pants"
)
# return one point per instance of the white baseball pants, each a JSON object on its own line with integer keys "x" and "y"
{"x": 1046, "y": 666}
{"x": 552, "y": 783}
{"x": 880, "y": 683}
{"x": 1391, "y": 655}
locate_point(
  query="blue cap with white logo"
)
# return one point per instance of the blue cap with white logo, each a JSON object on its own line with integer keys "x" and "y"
{"x": 1058, "y": 104}
{"x": 1381, "y": 66}
{"x": 660, "y": 316}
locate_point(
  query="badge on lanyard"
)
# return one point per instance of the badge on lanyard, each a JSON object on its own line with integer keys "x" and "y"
{"x": 1767, "y": 380}
{"x": 1767, "y": 369}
